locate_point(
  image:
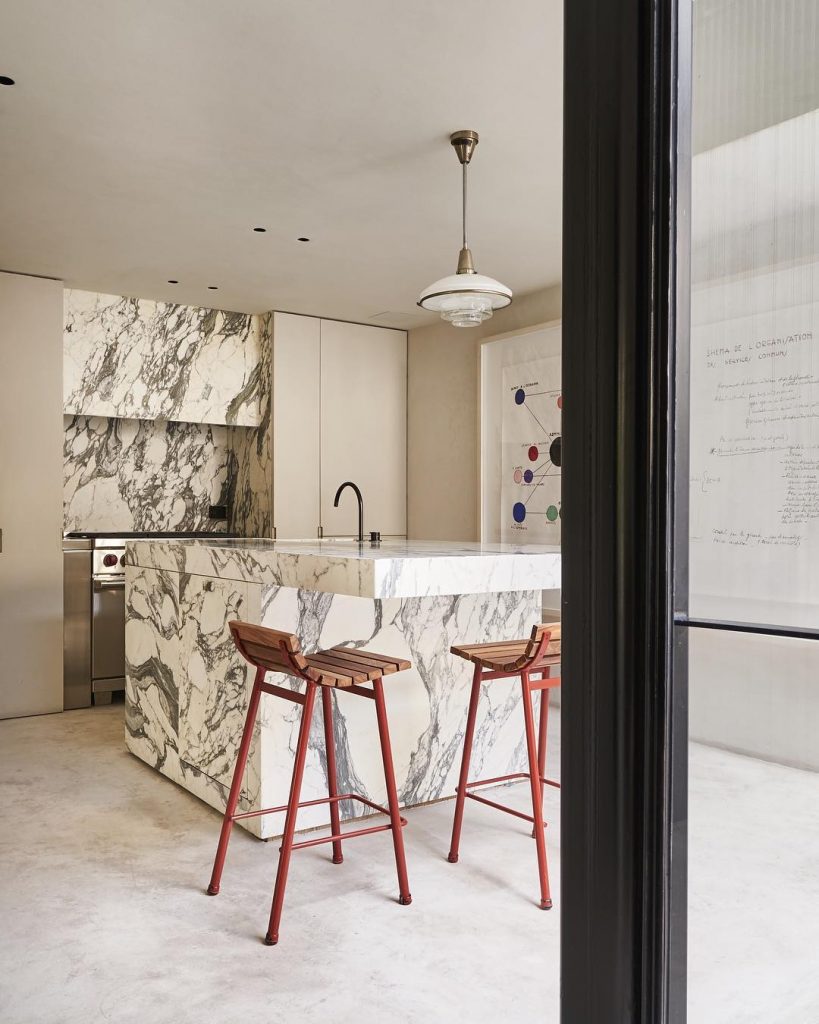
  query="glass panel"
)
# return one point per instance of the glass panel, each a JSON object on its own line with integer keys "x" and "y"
{"x": 754, "y": 513}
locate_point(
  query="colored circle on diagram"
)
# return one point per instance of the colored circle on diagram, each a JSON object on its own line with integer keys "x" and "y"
{"x": 520, "y": 396}
{"x": 528, "y": 476}
{"x": 551, "y": 513}
{"x": 560, "y": 401}
{"x": 533, "y": 453}
{"x": 518, "y": 476}
{"x": 518, "y": 511}
{"x": 556, "y": 451}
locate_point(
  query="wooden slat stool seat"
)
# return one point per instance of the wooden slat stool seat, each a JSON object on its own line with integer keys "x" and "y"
{"x": 532, "y": 661}
{"x": 340, "y": 668}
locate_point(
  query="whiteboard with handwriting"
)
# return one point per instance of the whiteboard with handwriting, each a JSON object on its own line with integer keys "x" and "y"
{"x": 754, "y": 456}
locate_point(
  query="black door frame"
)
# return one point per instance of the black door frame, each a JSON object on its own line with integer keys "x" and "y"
{"x": 627, "y": 100}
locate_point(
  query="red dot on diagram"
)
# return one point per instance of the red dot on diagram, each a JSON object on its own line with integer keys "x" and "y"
{"x": 533, "y": 453}
{"x": 560, "y": 401}
{"x": 518, "y": 476}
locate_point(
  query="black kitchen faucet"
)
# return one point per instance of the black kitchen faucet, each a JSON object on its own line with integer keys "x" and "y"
{"x": 349, "y": 483}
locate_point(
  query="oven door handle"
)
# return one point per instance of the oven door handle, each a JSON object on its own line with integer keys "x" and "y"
{"x": 108, "y": 584}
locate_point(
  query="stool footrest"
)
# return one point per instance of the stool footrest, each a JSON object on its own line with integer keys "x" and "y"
{"x": 502, "y": 807}
{"x": 510, "y": 778}
{"x": 346, "y": 835}
{"x": 336, "y": 835}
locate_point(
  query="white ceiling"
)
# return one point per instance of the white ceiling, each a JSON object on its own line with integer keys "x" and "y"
{"x": 144, "y": 139}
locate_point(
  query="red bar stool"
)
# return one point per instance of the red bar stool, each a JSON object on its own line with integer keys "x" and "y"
{"x": 532, "y": 661}
{"x": 343, "y": 668}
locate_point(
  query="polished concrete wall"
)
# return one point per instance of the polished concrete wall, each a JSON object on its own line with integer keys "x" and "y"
{"x": 756, "y": 695}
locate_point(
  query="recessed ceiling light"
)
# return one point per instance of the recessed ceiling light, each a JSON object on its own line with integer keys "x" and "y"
{"x": 172, "y": 281}
{"x": 302, "y": 239}
{"x": 5, "y": 80}
{"x": 260, "y": 229}
{"x": 213, "y": 287}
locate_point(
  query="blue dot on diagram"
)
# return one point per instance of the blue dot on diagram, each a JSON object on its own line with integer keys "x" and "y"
{"x": 528, "y": 476}
{"x": 519, "y": 512}
{"x": 520, "y": 396}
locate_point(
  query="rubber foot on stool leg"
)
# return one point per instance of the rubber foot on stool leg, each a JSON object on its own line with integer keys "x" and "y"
{"x": 405, "y": 900}
{"x": 268, "y": 941}
{"x": 452, "y": 858}
{"x": 213, "y": 890}
{"x": 339, "y": 859}
{"x": 545, "y": 904}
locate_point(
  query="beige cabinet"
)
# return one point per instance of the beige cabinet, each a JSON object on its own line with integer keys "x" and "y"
{"x": 363, "y": 426}
{"x": 339, "y": 413}
{"x": 31, "y": 496}
{"x": 295, "y": 427}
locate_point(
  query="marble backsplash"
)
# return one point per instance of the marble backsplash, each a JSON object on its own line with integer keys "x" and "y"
{"x": 140, "y": 359}
{"x": 153, "y": 475}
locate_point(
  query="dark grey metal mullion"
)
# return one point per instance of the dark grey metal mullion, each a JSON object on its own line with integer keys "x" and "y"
{"x": 623, "y": 801}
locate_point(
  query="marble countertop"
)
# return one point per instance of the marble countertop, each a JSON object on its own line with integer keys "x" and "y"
{"x": 394, "y": 568}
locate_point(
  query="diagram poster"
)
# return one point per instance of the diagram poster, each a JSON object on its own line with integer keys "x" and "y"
{"x": 531, "y": 456}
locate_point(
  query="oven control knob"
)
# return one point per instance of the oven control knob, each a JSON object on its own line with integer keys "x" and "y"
{"x": 109, "y": 560}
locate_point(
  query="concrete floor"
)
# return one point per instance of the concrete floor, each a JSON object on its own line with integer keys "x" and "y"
{"x": 753, "y": 892}
{"x": 104, "y": 917}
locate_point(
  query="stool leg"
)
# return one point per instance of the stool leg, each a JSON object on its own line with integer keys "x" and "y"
{"x": 537, "y": 796}
{"x": 236, "y": 785}
{"x": 392, "y": 794}
{"x": 543, "y": 728}
{"x": 464, "y": 777}
{"x": 332, "y": 780}
{"x": 272, "y": 936}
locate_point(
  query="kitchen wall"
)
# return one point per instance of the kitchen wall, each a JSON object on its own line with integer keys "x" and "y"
{"x": 442, "y": 440}
{"x": 118, "y": 464}
{"x": 168, "y": 413}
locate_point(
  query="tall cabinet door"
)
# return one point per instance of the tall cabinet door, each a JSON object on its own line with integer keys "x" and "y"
{"x": 295, "y": 425}
{"x": 363, "y": 426}
{"x": 31, "y": 496}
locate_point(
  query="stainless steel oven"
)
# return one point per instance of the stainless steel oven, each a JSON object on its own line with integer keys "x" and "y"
{"x": 107, "y": 619}
{"x": 94, "y": 624}
{"x": 77, "y": 555}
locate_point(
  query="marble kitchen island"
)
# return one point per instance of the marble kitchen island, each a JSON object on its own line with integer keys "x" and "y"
{"x": 187, "y": 687}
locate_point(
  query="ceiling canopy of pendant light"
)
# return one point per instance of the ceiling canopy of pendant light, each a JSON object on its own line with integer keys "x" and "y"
{"x": 465, "y": 298}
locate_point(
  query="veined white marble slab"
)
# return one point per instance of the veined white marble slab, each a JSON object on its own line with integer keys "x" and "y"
{"x": 187, "y": 690}
{"x": 139, "y": 359}
{"x": 395, "y": 568}
{"x": 145, "y": 474}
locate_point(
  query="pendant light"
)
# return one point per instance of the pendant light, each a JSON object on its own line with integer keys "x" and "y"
{"x": 465, "y": 298}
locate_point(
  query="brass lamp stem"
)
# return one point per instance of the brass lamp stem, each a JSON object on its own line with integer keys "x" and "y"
{"x": 464, "y": 143}
{"x": 463, "y": 210}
